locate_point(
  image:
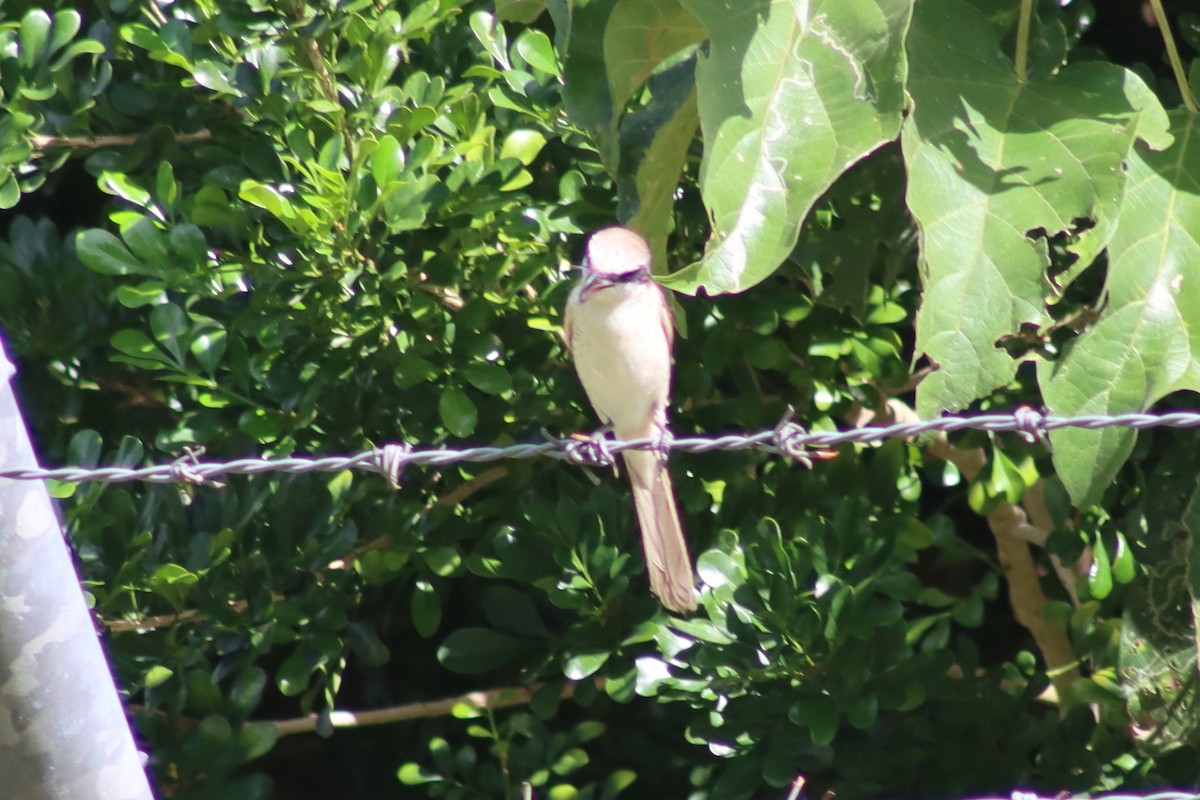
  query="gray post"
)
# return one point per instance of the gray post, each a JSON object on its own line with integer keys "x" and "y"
{"x": 63, "y": 732}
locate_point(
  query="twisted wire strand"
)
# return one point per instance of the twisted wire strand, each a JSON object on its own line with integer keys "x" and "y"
{"x": 788, "y": 439}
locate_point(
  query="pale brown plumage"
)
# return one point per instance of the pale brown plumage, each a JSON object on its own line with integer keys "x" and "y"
{"x": 619, "y": 331}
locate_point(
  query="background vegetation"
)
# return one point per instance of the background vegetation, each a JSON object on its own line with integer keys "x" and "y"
{"x": 235, "y": 227}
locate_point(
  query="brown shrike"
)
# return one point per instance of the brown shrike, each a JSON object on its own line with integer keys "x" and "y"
{"x": 618, "y": 328}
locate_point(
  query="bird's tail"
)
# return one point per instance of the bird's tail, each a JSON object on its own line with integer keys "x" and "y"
{"x": 667, "y": 558}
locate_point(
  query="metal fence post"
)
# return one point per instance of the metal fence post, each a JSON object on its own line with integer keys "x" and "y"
{"x": 63, "y": 732}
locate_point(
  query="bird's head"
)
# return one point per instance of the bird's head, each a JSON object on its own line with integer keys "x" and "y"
{"x": 615, "y": 255}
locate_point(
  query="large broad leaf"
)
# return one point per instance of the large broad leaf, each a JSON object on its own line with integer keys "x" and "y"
{"x": 609, "y": 50}
{"x": 791, "y": 93}
{"x": 996, "y": 164}
{"x": 654, "y": 143}
{"x": 1147, "y": 341}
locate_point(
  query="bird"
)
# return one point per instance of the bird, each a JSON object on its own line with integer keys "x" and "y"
{"x": 619, "y": 330}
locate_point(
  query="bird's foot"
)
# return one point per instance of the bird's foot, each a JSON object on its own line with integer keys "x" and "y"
{"x": 663, "y": 444}
{"x": 592, "y": 451}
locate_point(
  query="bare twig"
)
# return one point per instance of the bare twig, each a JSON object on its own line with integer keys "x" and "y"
{"x": 506, "y": 697}
{"x": 42, "y": 142}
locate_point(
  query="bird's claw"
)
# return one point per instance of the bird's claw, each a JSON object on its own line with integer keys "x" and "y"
{"x": 663, "y": 444}
{"x": 591, "y": 451}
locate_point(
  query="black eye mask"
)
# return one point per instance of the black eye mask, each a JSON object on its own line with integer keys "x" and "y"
{"x": 633, "y": 276}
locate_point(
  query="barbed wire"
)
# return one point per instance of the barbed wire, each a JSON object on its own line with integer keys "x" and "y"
{"x": 786, "y": 439}
{"x": 1171, "y": 795}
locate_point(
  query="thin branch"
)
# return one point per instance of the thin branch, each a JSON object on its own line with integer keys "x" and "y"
{"x": 1034, "y": 503}
{"x": 159, "y": 620}
{"x": 1164, "y": 25}
{"x": 485, "y": 478}
{"x": 43, "y": 142}
{"x": 167, "y": 620}
{"x": 505, "y": 697}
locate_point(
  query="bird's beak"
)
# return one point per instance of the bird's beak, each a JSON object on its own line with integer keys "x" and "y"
{"x": 590, "y": 282}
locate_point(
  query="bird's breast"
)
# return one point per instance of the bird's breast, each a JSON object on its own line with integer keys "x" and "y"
{"x": 623, "y": 355}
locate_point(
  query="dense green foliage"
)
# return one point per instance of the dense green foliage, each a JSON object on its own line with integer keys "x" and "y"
{"x": 238, "y": 227}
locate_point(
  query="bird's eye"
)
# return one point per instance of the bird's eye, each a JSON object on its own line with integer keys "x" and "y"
{"x": 630, "y": 276}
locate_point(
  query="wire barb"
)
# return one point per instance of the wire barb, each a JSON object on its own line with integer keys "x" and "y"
{"x": 790, "y": 437}
{"x": 183, "y": 469}
{"x": 1030, "y": 423}
{"x": 390, "y": 461}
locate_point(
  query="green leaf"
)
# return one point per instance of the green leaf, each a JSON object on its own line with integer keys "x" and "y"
{"x": 246, "y": 692}
{"x": 129, "y": 453}
{"x": 1123, "y": 566}
{"x": 157, "y": 676}
{"x": 35, "y": 32}
{"x": 491, "y": 379}
{"x": 412, "y": 774}
{"x": 474, "y": 650}
{"x": 387, "y": 162}
{"x": 188, "y": 241}
{"x": 1146, "y": 342}
{"x": 534, "y": 46}
{"x": 426, "y": 609}
{"x": 134, "y": 343}
{"x": 211, "y": 75}
{"x": 170, "y": 327}
{"x": 579, "y": 39}
{"x": 443, "y": 561}
{"x": 255, "y": 739}
{"x": 818, "y": 714}
{"x": 513, "y": 611}
{"x": 148, "y": 244}
{"x": 84, "y": 449}
{"x": 458, "y": 413}
{"x": 718, "y": 569}
{"x": 638, "y": 38}
{"x": 10, "y": 190}
{"x": 121, "y": 185}
{"x": 523, "y": 145}
{"x": 491, "y": 35}
{"x": 210, "y": 206}
{"x": 207, "y": 346}
{"x": 995, "y": 165}
{"x": 165, "y": 187}
{"x": 99, "y": 250}
{"x": 546, "y": 700}
{"x": 584, "y": 665}
{"x": 66, "y": 25}
{"x": 172, "y": 582}
{"x": 1099, "y": 577}
{"x": 83, "y": 47}
{"x": 523, "y": 11}
{"x": 268, "y": 198}
{"x": 144, "y": 294}
{"x": 654, "y": 144}
{"x": 617, "y": 782}
{"x": 293, "y": 674}
{"x": 838, "y": 69}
